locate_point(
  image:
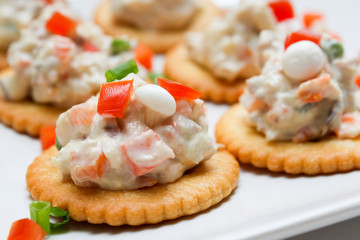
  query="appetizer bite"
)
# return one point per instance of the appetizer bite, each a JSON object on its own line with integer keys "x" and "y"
{"x": 14, "y": 16}
{"x": 58, "y": 62}
{"x": 125, "y": 156}
{"x": 302, "y": 111}
{"x": 217, "y": 60}
{"x": 160, "y": 24}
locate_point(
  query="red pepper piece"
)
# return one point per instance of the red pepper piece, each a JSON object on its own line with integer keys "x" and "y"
{"x": 302, "y": 35}
{"x": 310, "y": 18}
{"x": 178, "y": 91}
{"x": 60, "y": 24}
{"x": 357, "y": 80}
{"x": 47, "y": 136}
{"x": 26, "y": 229}
{"x": 114, "y": 97}
{"x": 143, "y": 55}
{"x": 282, "y": 9}
{"x": 49, "y": 1}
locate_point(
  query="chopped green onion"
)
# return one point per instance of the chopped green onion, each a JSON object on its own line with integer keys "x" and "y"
{"x": 59, "y": 213}
{"x": 154, "y": 76}
{"x": 57, "y": 144}
{"x": 333, "y": 48}
{"x": 119, "y": 45}
{"x": 40, "y": 213}
{"x": 121, "y": 71}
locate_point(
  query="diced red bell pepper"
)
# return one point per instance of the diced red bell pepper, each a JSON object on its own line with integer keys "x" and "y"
{"x": 60, "y": 24}
{"x": 357, "y": 80}
{"x": 178, "y": 91}
{"x": 302, "y": 35}
{"x": 49, "y": 1}
{"x": 89, "y": 47}
{"x": 144, "y": 55}
{"x": 310, "y": 18}
{"x": 47, "y": 136}
{"x": 282, "y": 9}
{"x": 114, "y": 97}
{"x": 26, "y": 229}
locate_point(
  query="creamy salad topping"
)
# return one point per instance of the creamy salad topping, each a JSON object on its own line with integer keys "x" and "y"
{"x": 61, "y": 60}
{"x": 229, "y": 46}
{"x": 156, "y": 14}
{"x": 305, "y": 93}
{"x": 15, "y": 15}
{"x": 133, "y": 135}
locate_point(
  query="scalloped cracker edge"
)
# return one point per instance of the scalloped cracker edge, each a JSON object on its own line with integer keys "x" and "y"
{"x": 202, "y": 187}
{"x": 159, "y": 41}
{"x": 180, "y": 68}
{"x": 26, "y": 116}
{"x": 330, "y": 155}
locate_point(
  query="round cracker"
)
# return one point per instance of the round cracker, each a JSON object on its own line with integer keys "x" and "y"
{"x": 159, "y": 41}
{"x": 179, "y": 67}
{"x": 200, "y": 188}
{"x": 330, "y": 155}
{"x": 3, "y": 60}
{"x": 26, "y": 116}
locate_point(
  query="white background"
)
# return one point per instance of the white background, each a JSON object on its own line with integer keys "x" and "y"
{"x": 264, "y": 206}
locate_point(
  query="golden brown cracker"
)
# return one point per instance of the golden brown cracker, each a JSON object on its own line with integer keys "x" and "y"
{"x": 26, "y": 116}
{"x": 200, "y": 188}
{"x": 179, "y": 67}
{"x": 159, "y": 41}
{"x": 329, "y": 155}
{"x": 3, "y": 60}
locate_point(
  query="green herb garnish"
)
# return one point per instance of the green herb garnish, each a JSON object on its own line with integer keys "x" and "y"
{"x": 119, "y": 46}
{"x": 121, "y": 71}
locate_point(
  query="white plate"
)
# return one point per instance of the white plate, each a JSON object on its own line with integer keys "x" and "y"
{"x": 264, "y": 205}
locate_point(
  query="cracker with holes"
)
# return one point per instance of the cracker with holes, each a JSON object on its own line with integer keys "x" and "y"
{"x": 301, "y": 115}
{"x": 138, "y": 153}
{"x": 162, "y": 24}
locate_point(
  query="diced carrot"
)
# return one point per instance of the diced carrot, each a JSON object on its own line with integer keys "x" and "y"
{"x": 310, "y": 18}
{"x": 82, "y": 114}
{"x": 26, "y": 229}
{"x": 101, "y": 165}
{"x": 47, "y": 136}
{"x": 143, "y": 54}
